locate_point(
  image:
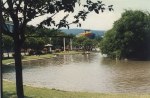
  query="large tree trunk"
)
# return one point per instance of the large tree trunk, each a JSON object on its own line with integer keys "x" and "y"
{"x": 18, "y": 68}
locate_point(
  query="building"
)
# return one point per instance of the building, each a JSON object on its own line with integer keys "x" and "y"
{"x": 87, "y": 33}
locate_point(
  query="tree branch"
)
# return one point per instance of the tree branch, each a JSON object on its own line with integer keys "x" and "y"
{"x": 24, "y": 11}
{"x": 11, "y": 12}
{"x": 4, "y": 3}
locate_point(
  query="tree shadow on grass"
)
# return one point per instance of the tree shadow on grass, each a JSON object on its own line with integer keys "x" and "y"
{"x": 12, "y": 95}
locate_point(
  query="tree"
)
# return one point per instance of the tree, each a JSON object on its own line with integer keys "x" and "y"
{"x": 129, "y": 37}
{"x": 23, "y": 11}
{"x": 78, "y": 42}
{"x": 46, "y": 35}
{"x": 85, "y": 43}
{"x": 88, "y": 44}
{"x": 58, "y": 41}
{"x": 35, "y": 43}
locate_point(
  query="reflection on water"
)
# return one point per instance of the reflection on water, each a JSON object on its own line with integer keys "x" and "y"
{"x": 90, "y": 72}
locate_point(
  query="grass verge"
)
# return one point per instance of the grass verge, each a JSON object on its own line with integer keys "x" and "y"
{"x": 33, "y": 92}
{"x": 69, "y": 52}
{"x": 28, "y": 58}
{"x": 33, "y": 57}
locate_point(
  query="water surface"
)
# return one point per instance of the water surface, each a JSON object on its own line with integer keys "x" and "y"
{"x": 88, "y": 73}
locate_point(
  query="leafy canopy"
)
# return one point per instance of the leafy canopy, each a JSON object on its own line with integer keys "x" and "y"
{"x": 23, "y": 11}
{"x": 129, "y": 37}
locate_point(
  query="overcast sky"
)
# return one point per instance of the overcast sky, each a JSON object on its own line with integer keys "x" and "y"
{"x": 104, "y": 21}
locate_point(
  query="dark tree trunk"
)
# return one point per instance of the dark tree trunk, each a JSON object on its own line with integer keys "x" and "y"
{"x": 18, "y": 68}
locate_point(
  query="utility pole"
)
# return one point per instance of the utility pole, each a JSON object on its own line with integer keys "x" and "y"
{"x": 71, "y": 44}
{"x": 1, "y": 76}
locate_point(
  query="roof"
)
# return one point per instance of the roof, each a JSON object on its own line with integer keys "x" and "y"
{"x": 48, "y": 45}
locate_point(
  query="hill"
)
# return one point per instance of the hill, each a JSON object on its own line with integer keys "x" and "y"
{"x": 77, "y": 31}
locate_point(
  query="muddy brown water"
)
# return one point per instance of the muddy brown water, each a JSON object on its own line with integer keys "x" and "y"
{"x": 87, "y": 73}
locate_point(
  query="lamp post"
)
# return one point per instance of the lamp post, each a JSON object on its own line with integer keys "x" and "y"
{"x": 1, "y": 77}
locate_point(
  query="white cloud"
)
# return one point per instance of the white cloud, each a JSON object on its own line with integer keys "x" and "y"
{"x": 104, "y": 21}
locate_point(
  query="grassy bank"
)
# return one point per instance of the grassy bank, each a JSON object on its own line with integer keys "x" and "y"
{"x": 69, "y": 52}
{"x": 27, "y": 58}
{"x": 33, "y": 57}
{"x": 33, "y": 92}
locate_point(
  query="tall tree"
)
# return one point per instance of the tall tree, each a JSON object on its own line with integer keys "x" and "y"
{"x": 85, "y": 43}
{"x": 23, "y": 11}
{"x": 129, "y": 37}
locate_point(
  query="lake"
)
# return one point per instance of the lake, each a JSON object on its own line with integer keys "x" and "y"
{"x": 86, "y": 73}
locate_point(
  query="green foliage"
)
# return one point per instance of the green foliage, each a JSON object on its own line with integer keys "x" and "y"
{"x": 35, "y": 43}
{"x": 130, "y": 36}
{"x": 38, "y": 37}
{"x": 7, "y": 43}
{"x": 85, "y": 43}
{"x": 78, "y": 41}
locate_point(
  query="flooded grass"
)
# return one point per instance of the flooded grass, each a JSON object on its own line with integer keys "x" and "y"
{"x": 33, "y": 57}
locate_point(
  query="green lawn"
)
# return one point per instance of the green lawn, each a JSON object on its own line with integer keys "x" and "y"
{"x": 33, "y": 57}
{"x": 33, "y": 92}
{"x": 69, "y": 52}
